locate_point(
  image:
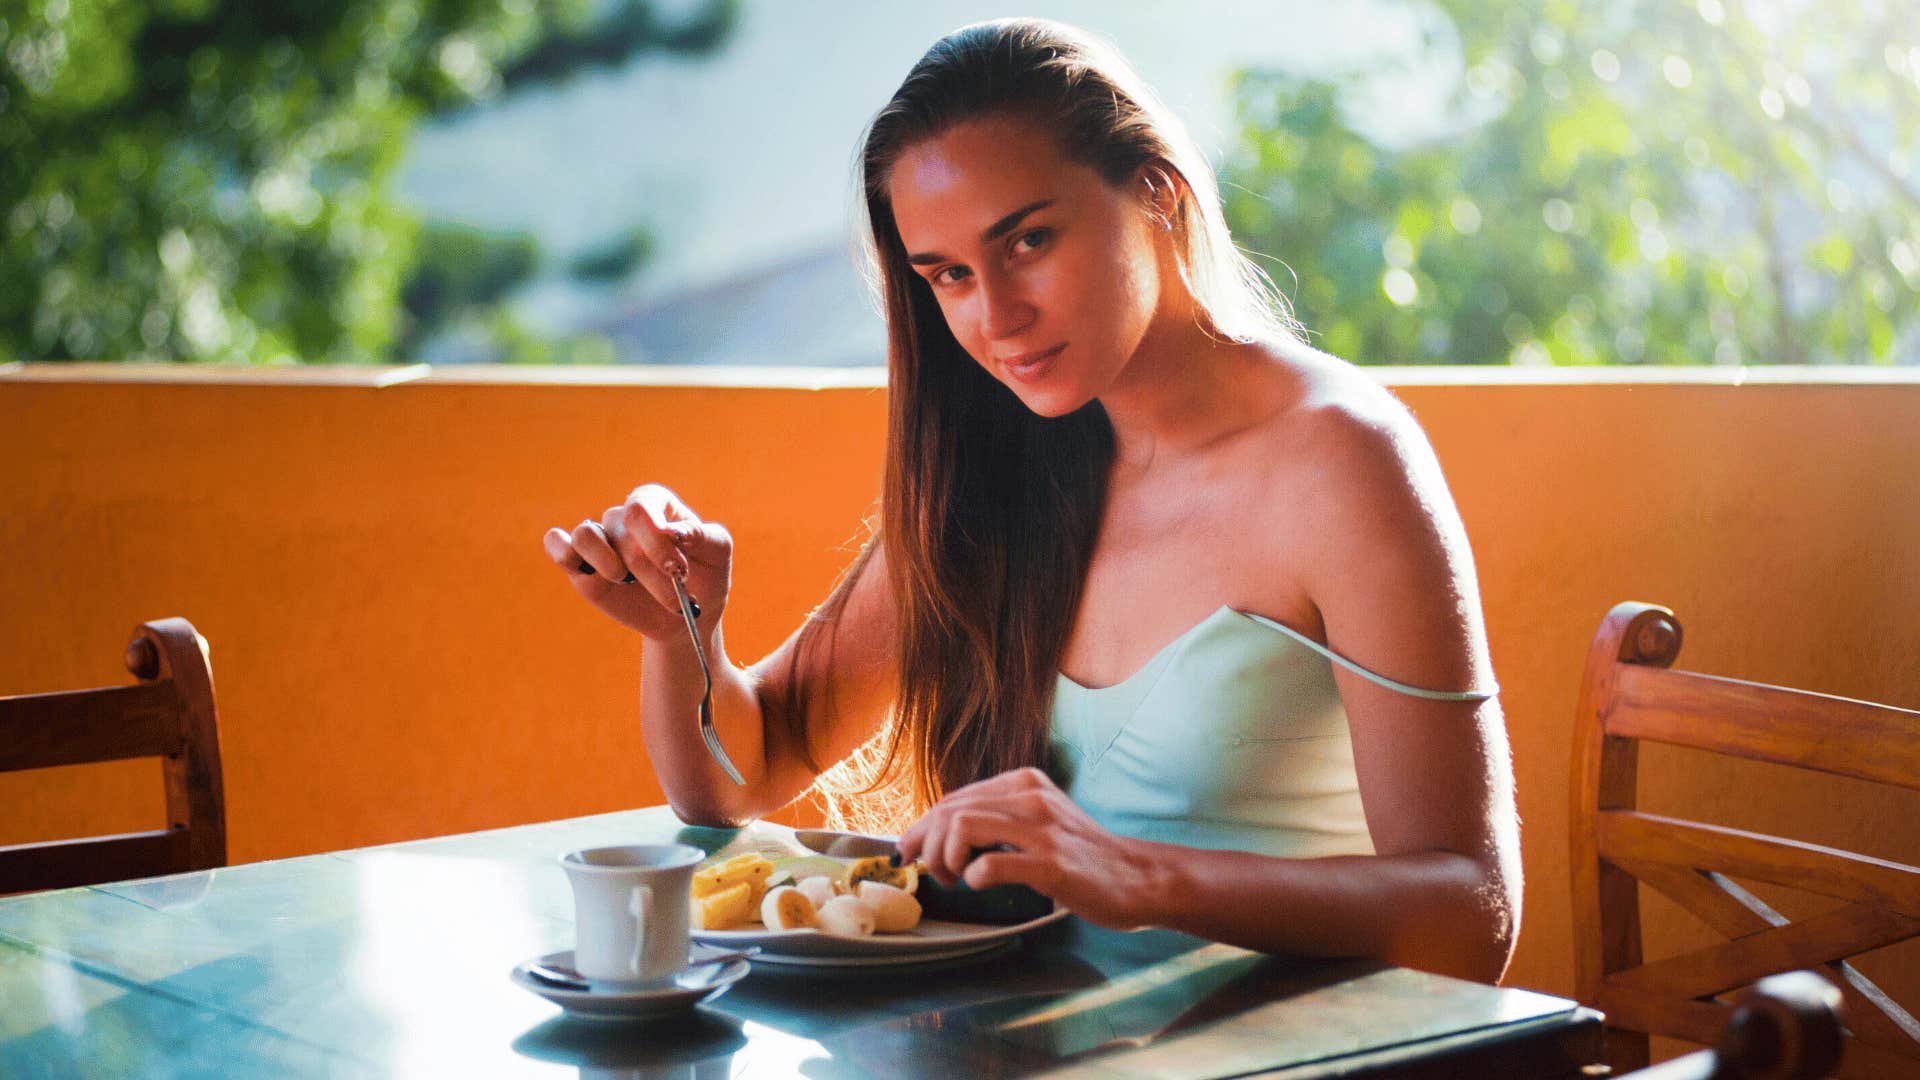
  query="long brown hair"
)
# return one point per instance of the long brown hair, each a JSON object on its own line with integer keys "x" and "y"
{"x": 989, "y": 512}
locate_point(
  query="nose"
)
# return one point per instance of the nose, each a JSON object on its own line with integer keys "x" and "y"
{"x": 1005, "y": 310}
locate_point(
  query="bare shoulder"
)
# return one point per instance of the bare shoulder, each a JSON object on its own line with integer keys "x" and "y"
{"x": 1383, "y": 533}
{"x": 1357, "y": 422}
{"x": 1344, "y": 448}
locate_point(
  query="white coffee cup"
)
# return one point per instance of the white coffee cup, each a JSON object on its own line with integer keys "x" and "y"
{"x": 630, "y": 909}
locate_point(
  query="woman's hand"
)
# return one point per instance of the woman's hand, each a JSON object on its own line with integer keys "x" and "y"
{"x": 1047, "y": 842}
{"x": 653, "y": 536}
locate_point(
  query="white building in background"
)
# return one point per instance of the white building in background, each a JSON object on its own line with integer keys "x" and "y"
{"x": 809, "y": 310}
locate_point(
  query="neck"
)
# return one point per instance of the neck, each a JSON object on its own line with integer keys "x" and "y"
{"x": 1182, "y": 391}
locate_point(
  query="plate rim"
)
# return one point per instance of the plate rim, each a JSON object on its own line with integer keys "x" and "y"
{"x": 900, "y": 945}
{"x": 797, "y": 962}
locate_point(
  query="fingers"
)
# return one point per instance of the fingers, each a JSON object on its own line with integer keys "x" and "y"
{"x": 649, "y": 540}
{"x": 559, "y": 547}
{"x": 968, "y": 832}
{"x": 948, "y": 838}
{"x": 685, "y": 542}
{"x": 1009, "y": 868}
{"x": 661, "y": 506}
{"x": 635, "y": 539}
{"x": 644, "y": 539}
{"x": 703, "y": 543}
{"x": 1015, "y": 812}
{"x": 596, "y": 554}
{"x": 654, "y": 526}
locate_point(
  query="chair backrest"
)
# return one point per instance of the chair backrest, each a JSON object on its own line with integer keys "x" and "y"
{"x": 1788, "y": 1027}
{"x": 1629, "y": 694}
{"x": 168, "y": 714}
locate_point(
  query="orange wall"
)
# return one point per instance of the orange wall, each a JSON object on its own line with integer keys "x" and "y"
{"x": 395, "y": 657}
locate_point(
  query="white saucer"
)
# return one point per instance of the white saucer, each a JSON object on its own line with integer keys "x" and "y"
{"x": 633, "y": 1001}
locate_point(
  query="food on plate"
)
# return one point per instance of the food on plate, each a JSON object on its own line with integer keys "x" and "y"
{"x": 818, "y": 889}
{"x": 881, "y": 868}
{"x": 798, "y": 893}
{"x": 848, "y": 916}
{"x": 800, "y": 867}
{"x": 787, "y": 908}
{"x": 752, "y": 869}
{"x": 894, "y": 909}
{"x": 724, "y": 908}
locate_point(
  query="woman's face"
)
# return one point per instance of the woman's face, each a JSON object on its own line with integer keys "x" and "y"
{"x": 1048, "y": 276}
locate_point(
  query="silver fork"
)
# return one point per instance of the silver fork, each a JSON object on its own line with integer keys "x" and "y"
{"x": 707, "y": 732}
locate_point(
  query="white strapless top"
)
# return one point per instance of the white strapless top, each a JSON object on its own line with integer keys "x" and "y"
{"x": 1232, "y": 737}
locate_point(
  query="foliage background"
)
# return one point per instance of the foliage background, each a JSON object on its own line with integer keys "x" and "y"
{"x": 211, "y": 179}
{"x": 1634, "y": 181}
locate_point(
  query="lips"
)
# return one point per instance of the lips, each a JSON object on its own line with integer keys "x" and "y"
{"x": 1030, "y": 366}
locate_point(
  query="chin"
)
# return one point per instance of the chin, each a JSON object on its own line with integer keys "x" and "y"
{"x": 1050, "y": 404}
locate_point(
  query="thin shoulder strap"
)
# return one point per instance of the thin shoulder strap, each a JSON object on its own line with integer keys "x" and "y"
{"x": 1381, "y": 680}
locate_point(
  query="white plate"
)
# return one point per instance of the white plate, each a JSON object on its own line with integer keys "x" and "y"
{"x": 616, "y": 1001}
{"x": 933, "y": 939}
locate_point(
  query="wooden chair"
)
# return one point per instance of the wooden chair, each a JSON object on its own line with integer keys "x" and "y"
{"x": 168, "y": 714}
{"x": 1628, "y": 694}
{"x": 1788, "y": 1027}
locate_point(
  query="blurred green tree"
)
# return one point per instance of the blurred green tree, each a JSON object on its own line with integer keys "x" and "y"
{"x": 209, "y": 179}
{"x": 1621, "y": 181}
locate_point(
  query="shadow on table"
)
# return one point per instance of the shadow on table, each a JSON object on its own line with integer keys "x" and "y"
{"x": 707, "y": 838}
{"x": 698, "y": 1044}
{"x": 1041, "y": 1032}
{"x": 816, "y": 1002}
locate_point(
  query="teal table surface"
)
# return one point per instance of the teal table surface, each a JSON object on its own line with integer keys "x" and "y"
{"x": 393, "y": 961}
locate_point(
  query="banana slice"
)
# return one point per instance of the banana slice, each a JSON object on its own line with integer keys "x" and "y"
{"x": 894, "y": 909}
{"x": 787, "y": 908}
{"x": 817, "y": 889}
{"x": 847, "y": 916}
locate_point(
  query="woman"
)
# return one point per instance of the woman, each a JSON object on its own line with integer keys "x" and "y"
{"x": 1157, "y": 587}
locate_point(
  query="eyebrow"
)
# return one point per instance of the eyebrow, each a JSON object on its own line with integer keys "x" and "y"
{"x": 993, "y": 232}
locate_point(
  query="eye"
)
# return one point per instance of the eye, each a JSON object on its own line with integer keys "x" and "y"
{"x": 1038, "y": 236}
{"x": 940, "y": 273}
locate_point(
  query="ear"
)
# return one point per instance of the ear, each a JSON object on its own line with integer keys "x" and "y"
{"x": 1162, "y": 190}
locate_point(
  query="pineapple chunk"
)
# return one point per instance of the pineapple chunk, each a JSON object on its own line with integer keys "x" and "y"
{"x": 756, "y": 869}
{"x": 724, "y": 909}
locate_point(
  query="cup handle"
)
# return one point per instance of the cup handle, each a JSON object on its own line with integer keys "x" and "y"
{"x": 639, "y": 905}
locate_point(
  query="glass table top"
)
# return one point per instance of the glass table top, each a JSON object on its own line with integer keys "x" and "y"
{"x": 394, "y": 960}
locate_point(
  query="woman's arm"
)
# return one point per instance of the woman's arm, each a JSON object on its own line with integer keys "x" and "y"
{"x": 624, "y": 565}
{"x": 1441, "y": 896}
{"x": 1431, "y": 910}
{"x": 1395, "y": 586}
{"x": 844, "y": 680}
